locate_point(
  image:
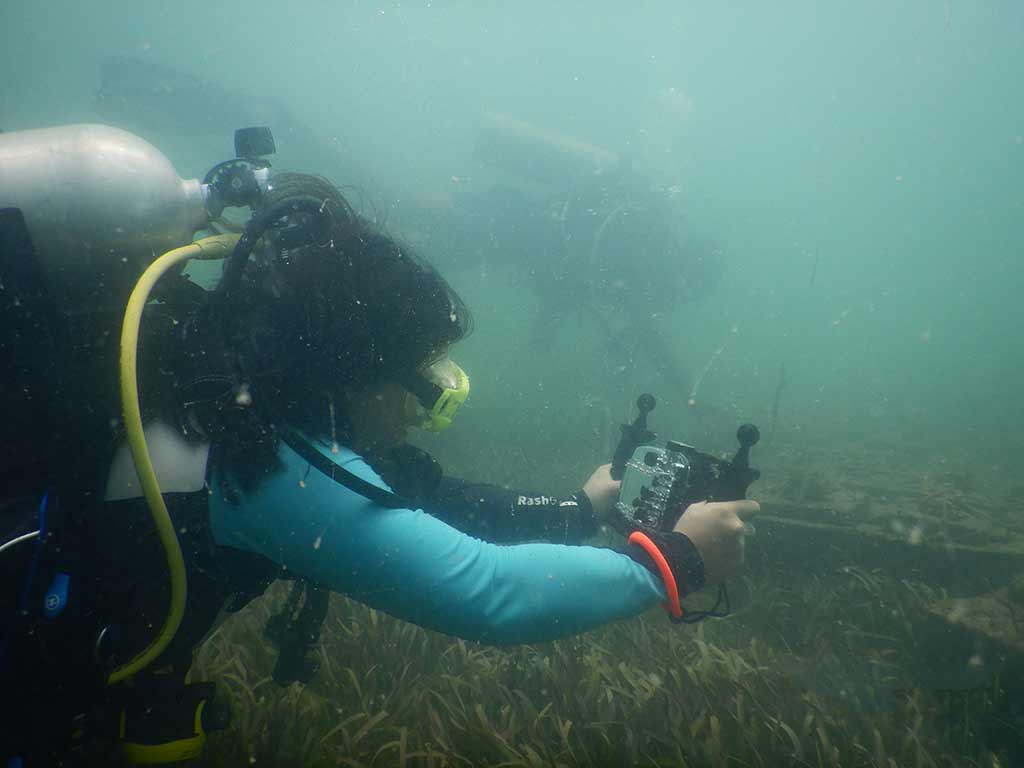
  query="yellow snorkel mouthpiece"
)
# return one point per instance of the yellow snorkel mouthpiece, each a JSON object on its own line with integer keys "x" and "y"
{"x": 445, "y": 388}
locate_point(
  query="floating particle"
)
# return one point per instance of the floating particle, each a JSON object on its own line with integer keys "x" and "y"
{"x": 244, "y": 397}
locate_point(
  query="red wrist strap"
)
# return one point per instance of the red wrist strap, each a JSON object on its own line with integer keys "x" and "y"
{"x": 672, "y": 604}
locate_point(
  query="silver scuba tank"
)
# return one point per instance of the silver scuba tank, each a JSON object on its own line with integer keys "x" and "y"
{"x": 100, "y": 204}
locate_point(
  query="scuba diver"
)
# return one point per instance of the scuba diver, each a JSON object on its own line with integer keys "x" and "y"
{"x": 272, "y": 445}
{"x": 591, "y": 238}
{"x": 615, "y": 246}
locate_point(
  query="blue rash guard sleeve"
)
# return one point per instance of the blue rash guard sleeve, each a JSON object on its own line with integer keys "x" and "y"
{"x": 416, "y": 567}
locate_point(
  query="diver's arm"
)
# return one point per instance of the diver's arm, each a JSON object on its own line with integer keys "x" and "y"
{"x": 502, "y": 515}
{"x": 417, "y": 568}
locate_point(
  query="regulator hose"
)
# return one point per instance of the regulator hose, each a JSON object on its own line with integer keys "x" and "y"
{"x": 216, "y": 247}
{"x": 261, "y": 221}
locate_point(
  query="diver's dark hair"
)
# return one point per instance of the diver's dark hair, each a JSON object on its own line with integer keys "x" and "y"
{"x": 343, "y": 311}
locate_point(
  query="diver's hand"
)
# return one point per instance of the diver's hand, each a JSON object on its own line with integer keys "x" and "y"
{"x": 602, "y": 491}
{"x": 717, "y": 531}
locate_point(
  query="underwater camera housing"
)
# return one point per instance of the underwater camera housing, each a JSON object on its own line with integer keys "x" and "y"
{"x": 658, "y": 484}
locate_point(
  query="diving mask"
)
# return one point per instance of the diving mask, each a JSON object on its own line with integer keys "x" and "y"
{"x": 440, "y": 388}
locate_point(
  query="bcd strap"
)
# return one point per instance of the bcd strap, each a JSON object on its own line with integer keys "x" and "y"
{"x": 336, "y": 472}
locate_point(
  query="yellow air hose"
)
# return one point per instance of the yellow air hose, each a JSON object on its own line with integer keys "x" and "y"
{"x": 217, "y": 247}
